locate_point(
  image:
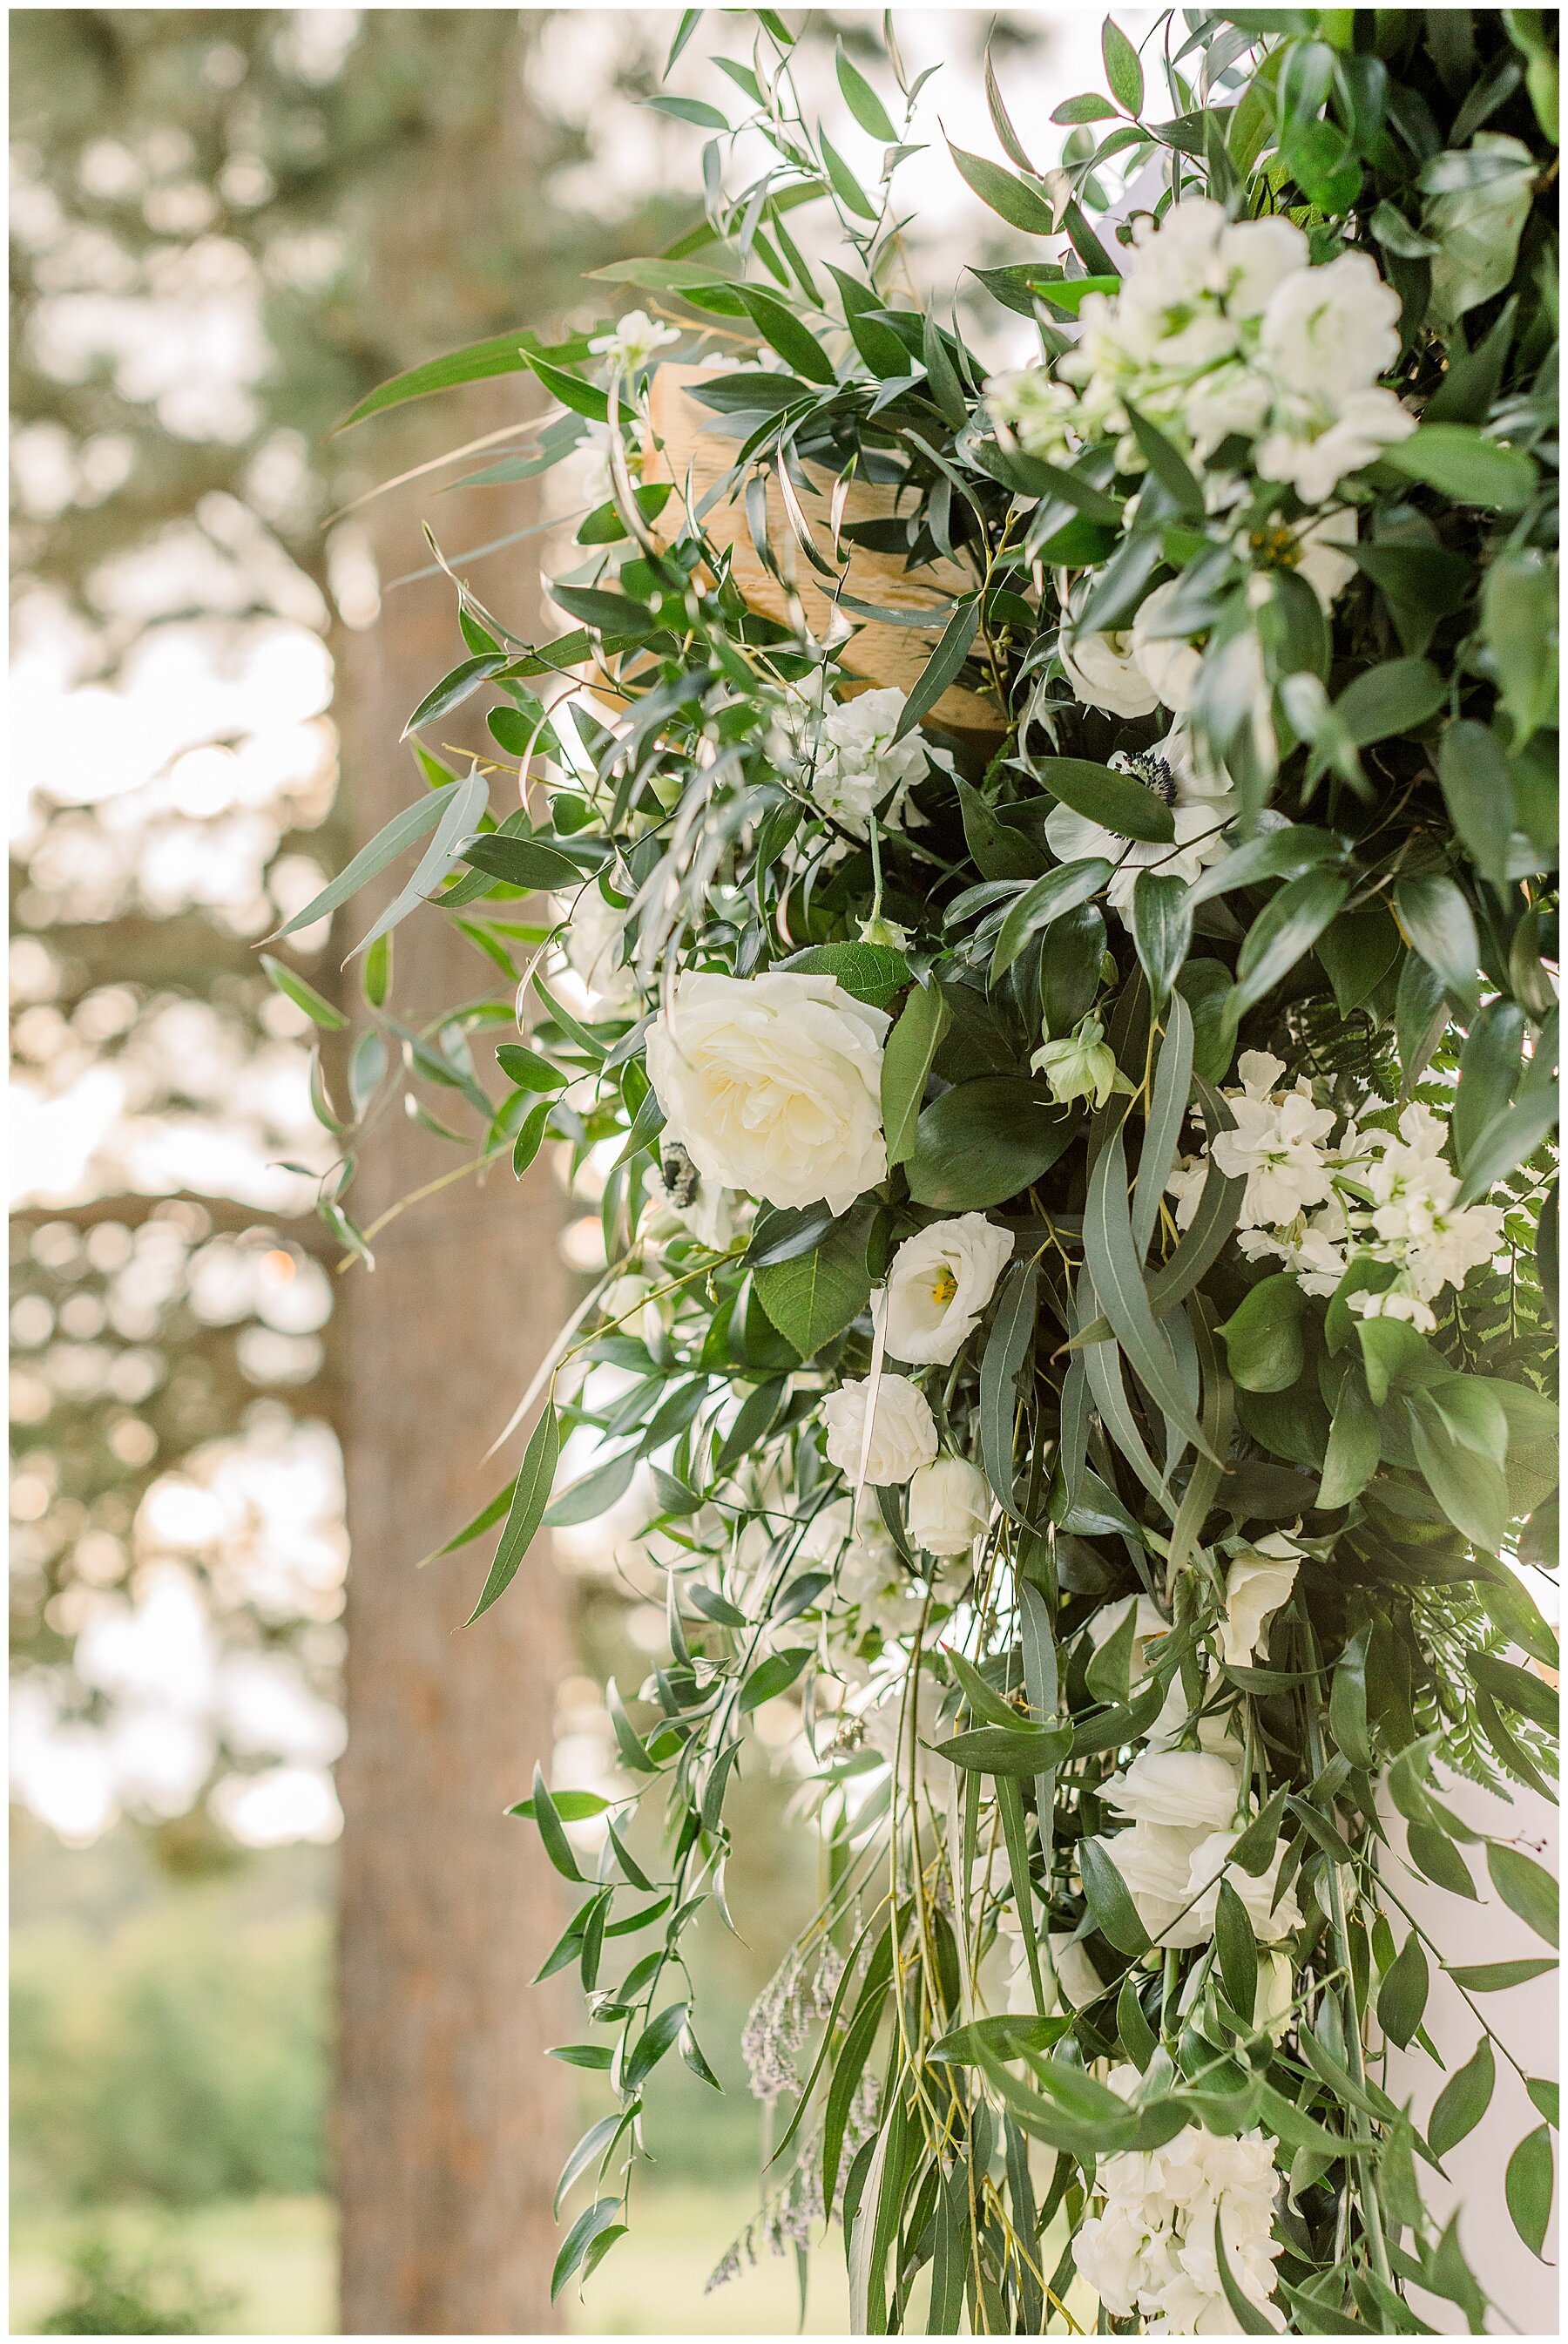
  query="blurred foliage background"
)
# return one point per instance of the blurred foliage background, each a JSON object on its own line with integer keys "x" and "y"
{"x": 199, "y": 200}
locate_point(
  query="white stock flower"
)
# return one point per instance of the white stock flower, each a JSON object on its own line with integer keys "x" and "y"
{"x": 1395, "y": 1302}
{"x": 1313, "y": 1250}
{"x": 903, "y": 1430}
{"x": 1186, "y": 1184}
{"x": 1259, "y": 1581}
{"x": 949, "y": 1506}
{"x": 1037, "y": 411}
{"x": 632, "y": 342}
{"x": 773, "y": 1084}
{"x": 1413, "y": 1188}
{"x": 1103, "y": 673}
{"x": 941, "y": 1281}
{"x": 859, "y": 764}
{"x": 1188, "y": 1788}
{"x": 1083, "y": 1065}
{"x": 1314, "y": 462}
{"x": 1327, "y": 335}
{"x": 1276, "y": 1146}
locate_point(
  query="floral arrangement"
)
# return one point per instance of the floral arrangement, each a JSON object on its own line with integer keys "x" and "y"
{"x": 1078, "y": 1195}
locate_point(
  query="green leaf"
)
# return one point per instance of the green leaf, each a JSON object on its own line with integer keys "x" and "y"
{"x": 520, "y": 862}
{"x": 695, "y": 110}
{"x": 1470, "y": 1488}
{"x": 1352, "y": 1457}
{"x": 813, "y": 1297}
{"x": 1161, "y": 928}
{"x": 1262, "y": 1336}
{"x": 401, "y": 831}
{"x": 872, "y": 973}
{"x": 953, "y": 649}
{"x": 1006, "y": 1750}
{"x": 304, "y": 996}
{"x": 1084, "y": 108}
{"x": 1401, "y": 1997}
{"x": 1012, "y": 1328}
{"x": 1496, "y": 1978}
{"x": 1479, "y": 789}
{"x": 594, "y": 1494}
{"x": 906, "y": 1060}
{"x": 1526, "y": 1888}
{"x": 1465, "y": 466}
{"x": 848, "y": 188}
{"x": 604, "y": 525}
{"x": 1288, "y": 926}
{"x": 985, "y": 1141}
{"x": 1358, "y": 950}
{"x": 462, "y": 806}
{"x": 1005, "y": 2037}
{"x": 596, "y": 2056}
{"x": 594, "y": 2223}
{"x": 1246, "y": 2316}
{"x": 1519, "y": 618}
{"x": 1254, "y": 1851}
{"x": 1237, "y": 1951}
{"x": 1106, "y": 1893}
{"x": 528, "y": 1069}
{"x": 582, "y": 398}
{"x": 531, "y": 1496}
{"x": 1348, "y": 1701}
{"x": 1440, "y": 925}
{"x": 1046, "y": 899}
{"x": 1544, "y": 2094}
{"x": 863, "y": 102}
{"x": 1118, "y": 1279}
{"x": 572, "y": 1806}
{"x": 1115, "y": 800}
{"x": 502, "y": 354}
{"x": 794, "y": 341}
{"x": 942, "y": 376}
{"x": 773, "y": 1676}
{"x": 1397, "y": 697}
{"x": 1122, "y": 70}
{"x": 1014, "y": 199}
{"x": 558, "y": 1847}
{"x": 1463, "y": 2101}
{"x": 1527, "y": 2185}
{"x": 652, "y": 2043}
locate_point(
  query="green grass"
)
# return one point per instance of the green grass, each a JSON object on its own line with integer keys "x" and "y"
{"x": 276, "y": 2255}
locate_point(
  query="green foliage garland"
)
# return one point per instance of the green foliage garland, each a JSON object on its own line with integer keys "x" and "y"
{"x": 1079, "y": 1197}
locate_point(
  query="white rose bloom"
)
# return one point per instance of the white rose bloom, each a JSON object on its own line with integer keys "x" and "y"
{"x": 941, "y": 1281}
{"x": 1276, "y": 1145}
{"x": 1169, "y": 663}
{"x": 633, "y": 343}
{"x": 1258, "y": 1583}
{"x": 1191, "y": 1788}
{"x": 949, "y": 1506}
{"x": 1209, "y": 1865}
{"x": 1103, "y": 673}
{"x": 903, "y": 1430}
{"x": 857, "y": 762}
{"x": 773, "y": 1085}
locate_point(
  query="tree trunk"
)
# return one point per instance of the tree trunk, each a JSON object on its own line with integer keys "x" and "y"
{"x": 450, "y": 2124}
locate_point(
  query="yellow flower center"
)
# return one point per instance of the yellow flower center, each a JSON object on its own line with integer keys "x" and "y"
{"x": 944, "y": 1285}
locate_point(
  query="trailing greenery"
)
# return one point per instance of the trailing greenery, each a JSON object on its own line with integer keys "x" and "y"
{"x": 1077, "y": 1188}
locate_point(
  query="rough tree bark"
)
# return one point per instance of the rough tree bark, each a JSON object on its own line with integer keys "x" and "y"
{"x": 450, "y": 2125}
{"x": 449, "y": 2120}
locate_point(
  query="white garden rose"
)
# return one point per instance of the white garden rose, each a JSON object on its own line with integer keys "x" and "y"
{"x": 1103, "y": 673}
{"x": 1110, "y": 1618}
{"x": 941, "y": 1281}
{"x": 1192, "y": 1788}
{"x": 949, "y": 1506}
{"x": 903, "y": 1430}
{"x": 1258, "y": 1583}
{"x": 773, "y": 1085}
{"x": 1155, "y": 1861}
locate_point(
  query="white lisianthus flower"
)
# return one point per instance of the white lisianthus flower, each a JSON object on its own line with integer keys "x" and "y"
{"x": 859, "y": 764}
{"x": 941, "y": 1281}
{"x": 1259, "y": 1581}
{"x": 1082, "y": 1067}
{"x": 1169, "y": 663}
{"x": 903, "y": 1430}
{"x": 1315, "y": 549}
{"x": 773, "y": 1084}
{"x": 1110, "y": 1618}
{"x": 949, "y": 1506}
{"x": 1076, "y": 1975}
{"x": 1271, "y": 1921}
{"x": 1189, "y": 1788}
{"x": 1103, "y": 673}
{"x": 633, "y": 343}
{"x": 1276, "y": 1993}
{"x": 1276, "y": 1146}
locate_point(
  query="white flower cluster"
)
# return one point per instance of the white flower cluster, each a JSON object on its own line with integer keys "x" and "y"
{"x": 1314, "y": 1204}
{"x": 1152, "y": 2250}
{"x": 1182, "y": 1807}
{"x": 633, "y": 343}
{"x": 1220, "y": 330}
{"x": 857, "y": 769}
